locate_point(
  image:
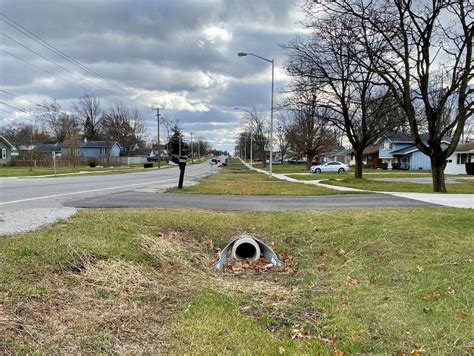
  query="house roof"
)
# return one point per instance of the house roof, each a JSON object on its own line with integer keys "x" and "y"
{"x": 98, "y": 144}
{"x": 406, "y": 138}
{"x": 465, "y": 147}
{"x": 370, "y": 150}
{"x": 7, "y": 142}
{"x": 50, "y": 147}
{"x": 404, "y": 151}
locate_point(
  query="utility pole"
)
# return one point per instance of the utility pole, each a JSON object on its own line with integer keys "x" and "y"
{"x": 180, "y": 138}
{"x": 158, "y": 138}
{"x": 192, "y": 150}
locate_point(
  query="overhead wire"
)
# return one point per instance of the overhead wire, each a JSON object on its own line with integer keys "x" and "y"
{"x": 22, "y": 98}
{"x": 22, "y": 110}
{"x": 60, "y": 53}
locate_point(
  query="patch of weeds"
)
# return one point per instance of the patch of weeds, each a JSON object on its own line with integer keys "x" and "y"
{"x": 103, "y": 293}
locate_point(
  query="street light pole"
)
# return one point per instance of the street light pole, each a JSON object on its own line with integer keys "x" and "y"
{"x": 272, "y": 61}
{"x": 158, "y": 138}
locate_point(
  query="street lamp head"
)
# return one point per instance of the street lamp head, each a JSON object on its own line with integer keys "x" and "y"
{"x": 242, "y": 54}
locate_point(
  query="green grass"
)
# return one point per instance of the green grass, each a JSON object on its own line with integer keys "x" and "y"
{"x": 464, "y": 187}
{"x": 372, "y": 281}
{"x": 236, "y": 179}
{"x": 8, "y": 171}
{"x": 349, "y": 175}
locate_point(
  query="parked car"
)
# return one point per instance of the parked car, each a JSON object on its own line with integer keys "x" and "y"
{"x": 152, "y": 159}
{"x": 333, "y": 166}
{"x": 274, "y": 161}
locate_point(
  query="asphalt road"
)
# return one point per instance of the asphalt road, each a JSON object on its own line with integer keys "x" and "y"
{"x": 246, "y": 203}
{"x": 46, "y": 191}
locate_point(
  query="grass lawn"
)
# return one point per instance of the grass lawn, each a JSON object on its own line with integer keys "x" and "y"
{"x": 349, "y": 175}
{"x": 381, "y": 281}
{"x": 464, "y": 187}
{"x": 8, "y": 171}
{"x": 236, "y": 179}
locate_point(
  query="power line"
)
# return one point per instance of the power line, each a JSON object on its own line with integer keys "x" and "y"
{"x": 8, "y": 112}
{"x": 22, "y": 110}
{"x": 47, "y": 45}
{"x": 22, "y": 98}
{"x": 60, "y": 53}
{"x": 45, "y": 70}
{"x": 54, "y": 63}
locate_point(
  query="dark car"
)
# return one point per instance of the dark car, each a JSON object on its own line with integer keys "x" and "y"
{"x": 152, "y": 159}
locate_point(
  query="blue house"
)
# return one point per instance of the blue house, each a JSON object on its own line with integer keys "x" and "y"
{"x": 398, "y": 151}
{"x": 99, "y": 149}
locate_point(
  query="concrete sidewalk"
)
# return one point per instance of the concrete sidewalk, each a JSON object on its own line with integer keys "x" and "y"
{"x": 451, "y": 200}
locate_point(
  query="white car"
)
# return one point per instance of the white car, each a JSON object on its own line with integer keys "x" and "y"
{"x": 333, "y": 166}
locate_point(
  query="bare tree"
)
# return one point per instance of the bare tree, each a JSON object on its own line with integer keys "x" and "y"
{"x": 423, "y": 52}
{"x": 356, "y": 98}
{"x": 60, "y": 123}
{"x": 89, "y": 112}
{"x": 124, "y": 126}
{"x": 256, "y": 128}
{"x": 282, "y": 134}
{"x": 309, "y": 130}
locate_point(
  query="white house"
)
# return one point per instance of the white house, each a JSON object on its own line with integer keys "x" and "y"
{"x": 456, "y": 163}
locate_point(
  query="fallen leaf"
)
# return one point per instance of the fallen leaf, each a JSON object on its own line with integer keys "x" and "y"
{"x": 451, "y": 291}
{"x": 417, "y": 350}
{"x": 419, "y": 269}
{"x": 341, "y": 252}
{"x": 281, "y": 350}
{"x": 338, "y": 353}
{"x": 386, "y": 298}
{"x": 436, "y": 295}
{"x": 321, "y": 267}
{"x": 399, "y": 353}
{"x": 426, "y": 310}
{"x": 460, "y": 314}
{"x": 374, "y": 280}
{"x": 344, "y": 303}
{"x": 351, "y": 280}
{"x": 300, "y": 334}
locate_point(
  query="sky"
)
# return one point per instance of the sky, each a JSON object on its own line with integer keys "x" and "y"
{"x": 178, "y": 55}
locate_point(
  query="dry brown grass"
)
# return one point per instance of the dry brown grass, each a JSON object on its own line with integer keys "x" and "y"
{"x": 117, "y": 306}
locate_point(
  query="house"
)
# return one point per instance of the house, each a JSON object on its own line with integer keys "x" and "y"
{"x": 371, "y": 157}
{"x": 50, "y": 148}
{"x": 6, "y": 150}
{"x": 456, "y": 163}
{"x": 399, "y": 151}
{"x": 335, "y": 153}
{"x": 99, "y": 149}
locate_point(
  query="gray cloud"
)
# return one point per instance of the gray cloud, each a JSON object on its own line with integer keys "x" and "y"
{"x": 180, "y": 54}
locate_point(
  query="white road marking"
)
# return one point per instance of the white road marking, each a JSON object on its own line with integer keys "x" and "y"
{"x": 84, "y": 192}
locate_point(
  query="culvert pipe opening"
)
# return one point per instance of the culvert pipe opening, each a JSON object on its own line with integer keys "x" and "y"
{"x": 246, "y": 248}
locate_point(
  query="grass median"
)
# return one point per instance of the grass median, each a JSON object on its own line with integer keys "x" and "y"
{"x": 236, "y": 179}
{"x": 8, "y": 171}
{"x": 140, "y": 281}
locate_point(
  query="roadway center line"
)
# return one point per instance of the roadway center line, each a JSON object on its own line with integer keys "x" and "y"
{"x": 84, "y": 192}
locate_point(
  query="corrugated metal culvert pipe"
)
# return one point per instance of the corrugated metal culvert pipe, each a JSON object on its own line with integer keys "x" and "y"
{"x": 247, "y": 247}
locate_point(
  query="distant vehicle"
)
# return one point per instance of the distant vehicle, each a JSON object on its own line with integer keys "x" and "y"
{"x": 333, "y": 166}
{"x": 152, "y": 159}
{"x": 274, "y": 162}
{"x": 295, "y": 160}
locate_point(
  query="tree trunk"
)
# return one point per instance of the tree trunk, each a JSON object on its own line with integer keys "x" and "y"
{"x": 437, "y": 172}
{"x": 359, "y": 165}
{"x": 309, "y": 159}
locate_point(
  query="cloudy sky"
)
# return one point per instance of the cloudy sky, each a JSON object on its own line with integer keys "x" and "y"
{"x": 180, "y": 55}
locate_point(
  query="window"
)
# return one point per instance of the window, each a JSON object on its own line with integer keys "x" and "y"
{"x": 387, "y": 145}
{"x": 103, "y": 151}
{"x": 463, "y": 158}
{"x": 4, "y": 153}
